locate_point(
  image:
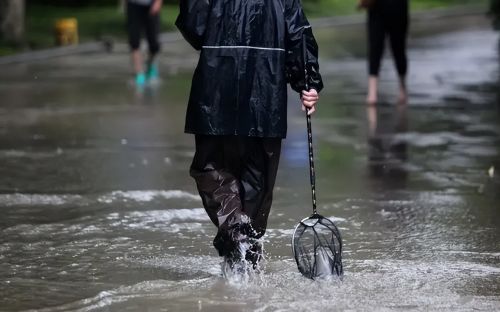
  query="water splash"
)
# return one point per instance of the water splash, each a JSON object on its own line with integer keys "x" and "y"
{"x": 243, "y": 270}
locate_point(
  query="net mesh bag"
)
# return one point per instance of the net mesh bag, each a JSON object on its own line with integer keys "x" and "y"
{"x": 317, "y": 247}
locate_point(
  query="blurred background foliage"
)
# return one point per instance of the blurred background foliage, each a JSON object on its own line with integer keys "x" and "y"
{"x": 98, "y": 19}
{"x": 495, "y": 13}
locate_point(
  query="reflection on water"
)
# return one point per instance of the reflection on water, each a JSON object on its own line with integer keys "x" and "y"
{"x": 148, "y": 94}
{"x": 387, "y": 152}
{"x": 498, "y": 83}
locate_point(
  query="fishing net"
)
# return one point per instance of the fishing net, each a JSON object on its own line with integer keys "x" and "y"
{"x": 316, "y": 241}
{"x": 317, "y": 247}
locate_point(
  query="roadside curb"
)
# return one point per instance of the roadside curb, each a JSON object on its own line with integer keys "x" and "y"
{"x": 173, "y": 36}
{"x": 90, "y": 47}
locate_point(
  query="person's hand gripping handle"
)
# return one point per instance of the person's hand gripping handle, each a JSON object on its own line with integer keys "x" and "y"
{"x": 309, "y": 97}
{"x": 309, "y": 100}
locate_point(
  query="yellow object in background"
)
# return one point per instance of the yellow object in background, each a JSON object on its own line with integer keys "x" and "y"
{"x": 66, "y": 31}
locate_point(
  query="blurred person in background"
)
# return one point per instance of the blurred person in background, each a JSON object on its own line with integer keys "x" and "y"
{"x": 386, "y": 18}
{"x": 144, "y": 16}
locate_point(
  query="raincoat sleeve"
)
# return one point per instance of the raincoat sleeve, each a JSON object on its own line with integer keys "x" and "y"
{"x": 192, "y": 21}
{"x": 298, "y": 26}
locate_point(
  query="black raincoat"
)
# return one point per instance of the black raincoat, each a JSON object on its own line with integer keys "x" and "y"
{"x": 250, "y": 49}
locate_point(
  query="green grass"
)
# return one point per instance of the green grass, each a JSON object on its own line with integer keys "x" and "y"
{"x": 93, "y": 22}
{"x": 324, "y": 8}
{"x": 430, "y": 4}
{"x": 96, "y": 22}
{"x": 6, "y": 48}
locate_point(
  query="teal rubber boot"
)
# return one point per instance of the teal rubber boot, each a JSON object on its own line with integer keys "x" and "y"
{"x": 140, "y": 80}
{"x": 152, "y": 73}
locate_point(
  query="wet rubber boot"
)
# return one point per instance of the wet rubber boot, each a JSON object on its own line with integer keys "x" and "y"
{"x": 140, "y": 80}
{"x": 236, "y": 245}
{"x": 152, "y": 74}
{"x": 254, "y": 254}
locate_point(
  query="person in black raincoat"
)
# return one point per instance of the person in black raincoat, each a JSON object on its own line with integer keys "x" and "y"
{"x": 237, "y": 108}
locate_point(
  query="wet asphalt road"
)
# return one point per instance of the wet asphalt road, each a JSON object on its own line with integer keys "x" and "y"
{"x": 99, "y": 212}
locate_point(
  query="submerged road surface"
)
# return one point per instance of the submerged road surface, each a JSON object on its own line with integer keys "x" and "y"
{"x": 98, "y": 211}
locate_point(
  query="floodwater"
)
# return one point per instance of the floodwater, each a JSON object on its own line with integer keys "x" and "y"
{"x": 98, "y": 211}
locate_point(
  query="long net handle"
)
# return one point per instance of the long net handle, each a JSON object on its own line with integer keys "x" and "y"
{"x": 312, "y": 173}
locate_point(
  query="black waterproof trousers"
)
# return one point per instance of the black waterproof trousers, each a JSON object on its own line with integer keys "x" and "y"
{"x": 388, "y": 18}
{"x": 139, "y": 19}
{"x": 235, "y": 178}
